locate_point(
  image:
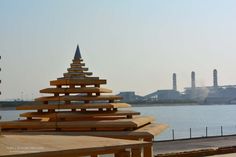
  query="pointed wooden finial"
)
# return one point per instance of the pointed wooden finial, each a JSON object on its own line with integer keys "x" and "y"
{"x": 77, "y": 53}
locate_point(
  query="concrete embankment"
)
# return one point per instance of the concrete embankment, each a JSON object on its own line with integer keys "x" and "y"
{"x": 196, "y": 147}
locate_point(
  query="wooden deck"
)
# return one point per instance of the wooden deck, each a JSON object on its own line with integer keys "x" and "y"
{"x": 69, "y": 146}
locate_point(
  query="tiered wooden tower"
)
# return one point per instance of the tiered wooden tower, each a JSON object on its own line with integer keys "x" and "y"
{"x": 78, "y": 104}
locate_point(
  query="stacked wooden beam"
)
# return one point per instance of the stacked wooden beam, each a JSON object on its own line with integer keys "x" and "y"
{"x": 78, "y": 103}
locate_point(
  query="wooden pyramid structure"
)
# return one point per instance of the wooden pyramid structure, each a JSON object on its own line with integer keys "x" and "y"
{"x": 78, "y": 104}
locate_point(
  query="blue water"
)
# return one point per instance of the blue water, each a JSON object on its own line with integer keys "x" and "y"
{"x": 181, "y": 119}
{"x": 197, "y": 117}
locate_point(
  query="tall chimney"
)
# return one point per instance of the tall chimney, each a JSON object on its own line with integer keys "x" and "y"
{"x": 174, "y": 82}
{"x": 193, "y": 82}
{"x": 215, "y": 78}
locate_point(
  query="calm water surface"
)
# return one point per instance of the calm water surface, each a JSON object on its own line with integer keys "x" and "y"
{"x": 181, "y": 119}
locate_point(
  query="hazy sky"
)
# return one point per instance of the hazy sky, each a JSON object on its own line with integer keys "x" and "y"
{"x": 135, "y": 44}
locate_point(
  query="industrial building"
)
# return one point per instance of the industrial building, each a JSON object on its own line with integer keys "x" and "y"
{"x": 167, "y": 95}
{"x": 215, "y": 94}
{"x": 130, "y": 97}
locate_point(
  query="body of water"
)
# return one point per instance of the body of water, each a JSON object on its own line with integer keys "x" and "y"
{"x": 181, "y": 119}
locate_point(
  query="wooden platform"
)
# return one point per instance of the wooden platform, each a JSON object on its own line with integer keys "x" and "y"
{"x": 68, "y": 146}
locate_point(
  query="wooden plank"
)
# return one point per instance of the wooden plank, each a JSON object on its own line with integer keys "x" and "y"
{"x": 28, "y": 124}
{"x": 95, "y": 126}
{"x": 153, "y": 129}
{"x": 70, "y": 74}
{"x": 73, "y": 106}
{"x": 104, "y": 124}
{"x": 78, "y": 98}
{"x": 133, "y": 135}
{"x": 78, "y": 78}
{"x": 144, "y": 132}
{"x": 77, "y": 73}
{"x": 77, "y": 69}
{"x": 79, "y": 114}
{"x": 88, "y": 81}
{"x": 76, "y": 90}
{"x": 77, "y": 64}
{"x": 114, "y": 125}
{"x": 61, "y": 146}
{"x": 142, "y": 120}
{"x": 45, "y": 119}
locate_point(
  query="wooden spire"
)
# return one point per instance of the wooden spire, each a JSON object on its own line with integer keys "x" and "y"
{"x": 77, "y": 53}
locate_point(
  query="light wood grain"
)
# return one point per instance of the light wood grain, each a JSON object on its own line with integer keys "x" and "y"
{"x": 119, "y": 124}
{"x": 137, "y": 134}
{"x": 76, "y": 90}
{"x": 73, "y": 106}
{"x": 61, "y": 146}
{"x": 70, "y": 74}
{"x": 79, "y": 114}
{"x": 79, "y": 98}
{"x": 77, "y": 69}
{"x": 87, "y": 81}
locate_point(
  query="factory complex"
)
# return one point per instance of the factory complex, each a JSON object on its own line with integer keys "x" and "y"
{"x": 216, "y": 94}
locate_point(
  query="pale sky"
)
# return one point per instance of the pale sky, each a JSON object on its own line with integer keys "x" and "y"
{"x": 135, "y": 44}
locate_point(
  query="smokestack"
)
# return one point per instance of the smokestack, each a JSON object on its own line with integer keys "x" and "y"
{"x": 193, "y": 83}
{"x": 174, "y": 82}
{"x": 215, "y": 78}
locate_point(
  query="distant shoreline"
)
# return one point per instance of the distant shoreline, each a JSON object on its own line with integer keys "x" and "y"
{"x": 177, "y": 104}
{"x": 7, "y": 108}
{"x": 167, "y": 104}
{"x": 4, "y": 108}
